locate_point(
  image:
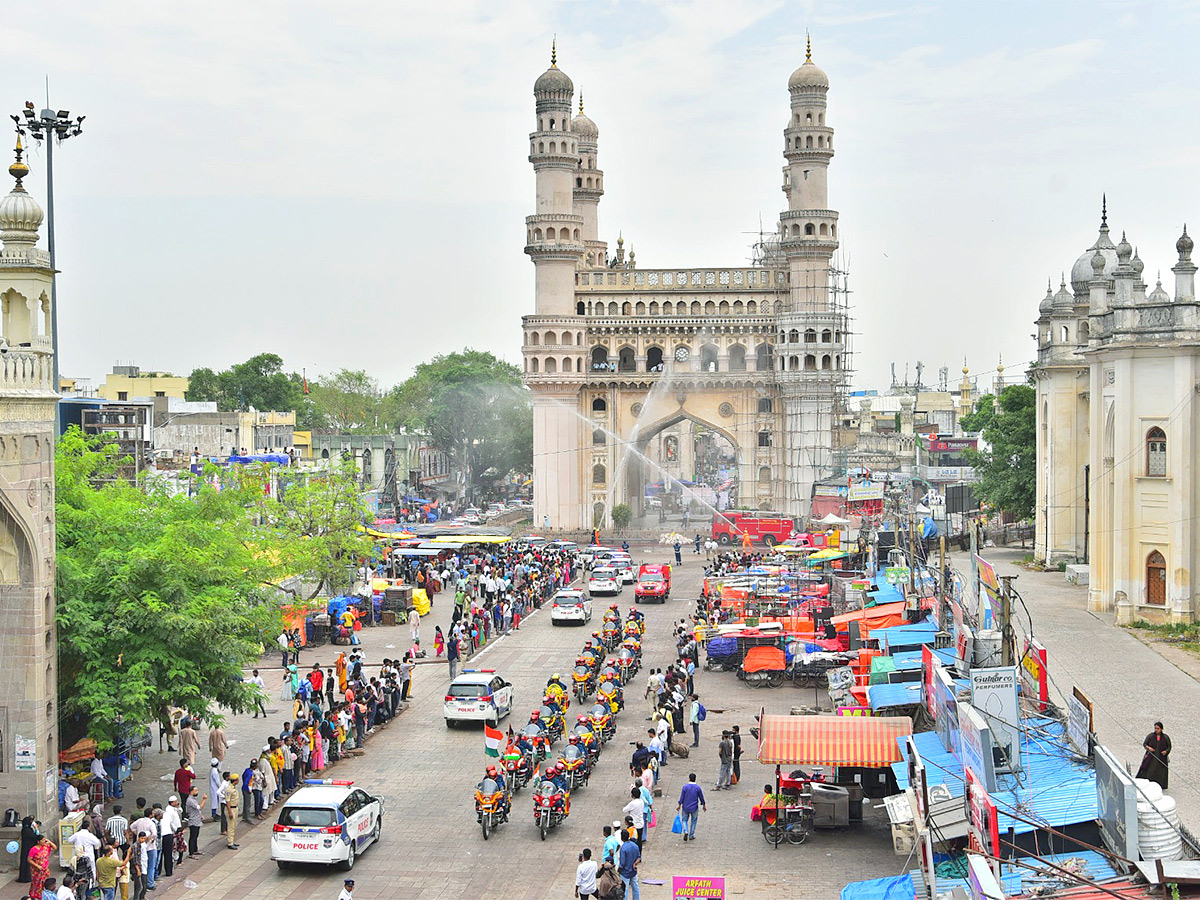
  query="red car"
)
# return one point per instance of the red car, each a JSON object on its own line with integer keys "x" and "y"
{"x": 653, "y": 583}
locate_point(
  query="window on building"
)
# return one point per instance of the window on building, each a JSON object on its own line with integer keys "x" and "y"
{"x": 598, "y": 475}
{"x": 598, "y": 437}
{"x": 1156, "y": 453}
{"x": 599, "y": 405}
{"x": 160, "y": 393}
{"x": 764, "y": 404}
{"x": 122, "y": 395}
{"x": 764, "y": 439}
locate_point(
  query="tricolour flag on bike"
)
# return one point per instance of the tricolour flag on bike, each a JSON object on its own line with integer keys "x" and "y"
{"x": 492, "y": 739}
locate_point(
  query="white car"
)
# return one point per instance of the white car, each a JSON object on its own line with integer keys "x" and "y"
{"x": 604, "y": 580}
{"x": 570, "y": 606}
{"x": 326, "y": 821}
{"x": 588, "y": 555}
{"x": 477, "y": 695}
{"x": 623, "y": 563}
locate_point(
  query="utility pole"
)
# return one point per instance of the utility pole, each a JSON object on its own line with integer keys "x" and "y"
{"x": 1004, "y": 616}
{"x": 50, "y": 126}
{"x": 943, "y": 604}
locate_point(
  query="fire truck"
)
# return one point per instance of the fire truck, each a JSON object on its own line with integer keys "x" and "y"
{"x": 729, "y": 526}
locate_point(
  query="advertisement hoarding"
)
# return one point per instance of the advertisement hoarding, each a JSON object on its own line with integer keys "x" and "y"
{"x": 1034, "y": 678}
{"x": 994, "y": 694}
{"x": 981, "y": 881}
{"x": 1081, "y": 721}
{"x": 975, "y": 743}
{"x": 928, "y": 665}
{"x": 918, "y": 781}
{"x": 1116, "y": 798}
{"x": 947, "y": 712}
{"x": 983, "y": 820}
{"x": 693, "y": 887}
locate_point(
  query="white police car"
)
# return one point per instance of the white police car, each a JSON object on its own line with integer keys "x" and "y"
{"x": 570, "y": 606}
{"x": 477, "y": 695}
{"x": 328, "y": 822}
{"x": 604, "y": 580}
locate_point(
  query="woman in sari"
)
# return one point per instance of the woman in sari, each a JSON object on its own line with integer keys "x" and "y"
{"x": 439, "y": 641}
{"x": 318, "y": 749}
{"x": 39, "y": 864}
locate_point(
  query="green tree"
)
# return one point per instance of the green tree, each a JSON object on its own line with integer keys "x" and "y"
{"x": 259, "y": 382}
{"x": 1007, "y": 468}
{"x": 473, "y": 407}
{"x": 314, "y": 523}
{"x": 348, "y": 400}
{"x": 622, "y": 515}
{"x": 161, "y": 598}
{"x": 981, "y": 416}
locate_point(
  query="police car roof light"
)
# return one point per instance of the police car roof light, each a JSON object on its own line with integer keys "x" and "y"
{"x": 477, "y": 671}
{"x": 334, "y": 781}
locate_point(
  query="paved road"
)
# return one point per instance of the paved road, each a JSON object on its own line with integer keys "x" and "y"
{"x": 432, "y": 848}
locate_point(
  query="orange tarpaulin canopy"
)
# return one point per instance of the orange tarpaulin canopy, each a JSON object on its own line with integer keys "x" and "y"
{"x": 759, "y": 659}
{"x": 831, "y": 740}
{"x": 874, "y": 617}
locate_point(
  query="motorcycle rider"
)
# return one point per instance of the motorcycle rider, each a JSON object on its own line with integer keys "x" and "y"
{"x": 535, "y": 719}
{"x": 638, "y": 616}
{"x": 554, "y": 680}
{"x": 497, "y": 776}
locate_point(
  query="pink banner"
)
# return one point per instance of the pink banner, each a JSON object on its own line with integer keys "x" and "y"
{"x": 686, "y": 887}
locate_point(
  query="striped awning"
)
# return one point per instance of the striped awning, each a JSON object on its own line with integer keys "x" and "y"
{"x": 831, "y": 740}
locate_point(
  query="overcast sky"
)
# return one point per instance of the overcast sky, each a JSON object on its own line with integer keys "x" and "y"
{"x": 346, "y": 184}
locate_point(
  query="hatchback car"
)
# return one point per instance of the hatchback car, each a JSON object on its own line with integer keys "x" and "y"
{"x": 604, "y": 580}
{"x": 477, "y": 695}
{"x": 327, "y": 822}
{"x": 570, "y": 606}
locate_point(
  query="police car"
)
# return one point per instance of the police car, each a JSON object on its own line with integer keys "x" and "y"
{"x": 570, "y": 606}
{"x": 477, "y": 695}
{"x": 604, "y": 580}
{"x": 328, "y": 822}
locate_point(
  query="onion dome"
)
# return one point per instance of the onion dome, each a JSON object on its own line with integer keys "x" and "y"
{"x": 1082, "y": 272}
{"x": 20, "y": 215}
{"x": 582, "y": 125}
{"x": 809, "y": 76}
{"x": 1184, "y": 245}
{"x": 1064, "y": 300}
{"x": 1047, "y": 301}
{"x": 554, "y": 80}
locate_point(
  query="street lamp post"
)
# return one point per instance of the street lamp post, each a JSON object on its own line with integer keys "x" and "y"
{"x": 48, "y": 126}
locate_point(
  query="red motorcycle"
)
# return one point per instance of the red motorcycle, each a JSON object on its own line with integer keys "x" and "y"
{"x": 550, "y": 807}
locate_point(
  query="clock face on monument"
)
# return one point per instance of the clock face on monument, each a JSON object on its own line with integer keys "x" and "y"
{"x": 681, "y": 354}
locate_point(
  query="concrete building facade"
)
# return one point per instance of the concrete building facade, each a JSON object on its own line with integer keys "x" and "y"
{"x": 29, "y": 738}
{"x": 1118, "y": 433}
{"x": 755, "y": 356}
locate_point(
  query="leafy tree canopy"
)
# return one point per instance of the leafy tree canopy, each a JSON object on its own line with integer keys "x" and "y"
{"x": 348, "y": 401}
{"x": 161, "y": 599}
{"x": 981, "y": 415}
{"x": 259, "y": 382}
{"x": 1007, "y": 468}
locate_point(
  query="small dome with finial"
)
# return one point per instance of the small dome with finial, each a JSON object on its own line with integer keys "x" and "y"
{"x": 1047, "y": 301}
{"x": 1081, "y": 271}
{"x": 1124, "y": 250}
{"x": 1184, "y": 245}
{"x": 582, "y": 125}
{"x": 1138, "y": 265}
{"x": 20, "y": 215}
{"x": 554, "y": 80}
{"x": 809, "y": 76}
{"x": 1064, "y": 300}
{"x": 1098, "y": 264}
{"x": 1158, "y": 295}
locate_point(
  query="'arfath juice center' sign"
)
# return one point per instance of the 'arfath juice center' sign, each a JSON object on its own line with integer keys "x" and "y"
{"x": 686, "y": 887}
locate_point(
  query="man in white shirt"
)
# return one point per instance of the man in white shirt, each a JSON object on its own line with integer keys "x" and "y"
{"x": 284, "y": 646}
{"x": 257, "y": 681}
{"x": 71, "y": 799}
{"x": 66, "y": 890}
{"x": 656, "y": 746}
{"x": 86, "y": 844}
{"x": 172, "y": 821}
{"x": 585, "y": 876}
{"x": 101, "y": 774}
{"x": 636, "y": 810}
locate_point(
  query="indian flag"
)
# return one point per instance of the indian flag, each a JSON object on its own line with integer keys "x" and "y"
{"x": 492, "y": 739}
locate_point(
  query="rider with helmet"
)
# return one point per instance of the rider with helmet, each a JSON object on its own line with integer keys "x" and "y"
{"x": 535, "y": 719}
{"x": 497, "y": 776}
{"x": 636, "y": 614}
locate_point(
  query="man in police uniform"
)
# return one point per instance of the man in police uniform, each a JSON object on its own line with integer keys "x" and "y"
{"x": 347, "y": 891}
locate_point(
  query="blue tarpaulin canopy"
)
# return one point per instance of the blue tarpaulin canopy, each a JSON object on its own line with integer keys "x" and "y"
{"x": 897, "y": 887}
{"x": 280, "y": 459}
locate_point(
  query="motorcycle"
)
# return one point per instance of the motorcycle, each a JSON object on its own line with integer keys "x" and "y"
{"x": 601, "y": 720}
{"x": 633, "y": 629}
{"x": 540, "y": 739}
{"x": 518, "y": 768}
{"x": 575, "y": 762}
{"x": 583, "y": 683}
{"x": 612, "y": 672}
{"x": 627, "y": 664}
{"x": 608, "y": 695}
{"x": 611, "y": 635}
{"x": 554, "y": 721}
{"x": 590, "y": 739}
{"x": 491, "y": 806}
{"x": 550, "y": 806}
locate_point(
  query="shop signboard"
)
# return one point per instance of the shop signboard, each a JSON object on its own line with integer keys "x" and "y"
{"x": 981, "y": 881}
{"x": 994, "y": 694}
{"x": 1116, "y": 797}
{"x": 975, "y": 744}
{"x": 964, "y": 647}
{"x": 983, "y": 820}
{"x": 947, "y": 709}
{"x": 1034, "y": 679}
{"x": 897, "y": 575}
{"x": 918, "y": 781}
{"x": 928, "y": 665}
{"x": 925, "y": 838}
{"x": 865, "y": 491}
{"x": 26, "y": 754}
{"x": 694, "y": 887}
{"x": 989, "y": 597}
{"x": 1080, "y": 721}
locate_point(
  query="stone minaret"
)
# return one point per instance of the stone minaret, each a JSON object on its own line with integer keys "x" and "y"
{"x": 589, "y": 188}
{"x": 553, "y": 348}
{"x": 28, "y": 644}
{"x": 813, "y": 330}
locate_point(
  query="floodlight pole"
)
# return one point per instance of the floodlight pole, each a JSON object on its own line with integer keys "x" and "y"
{"x": 49, "y": 126}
